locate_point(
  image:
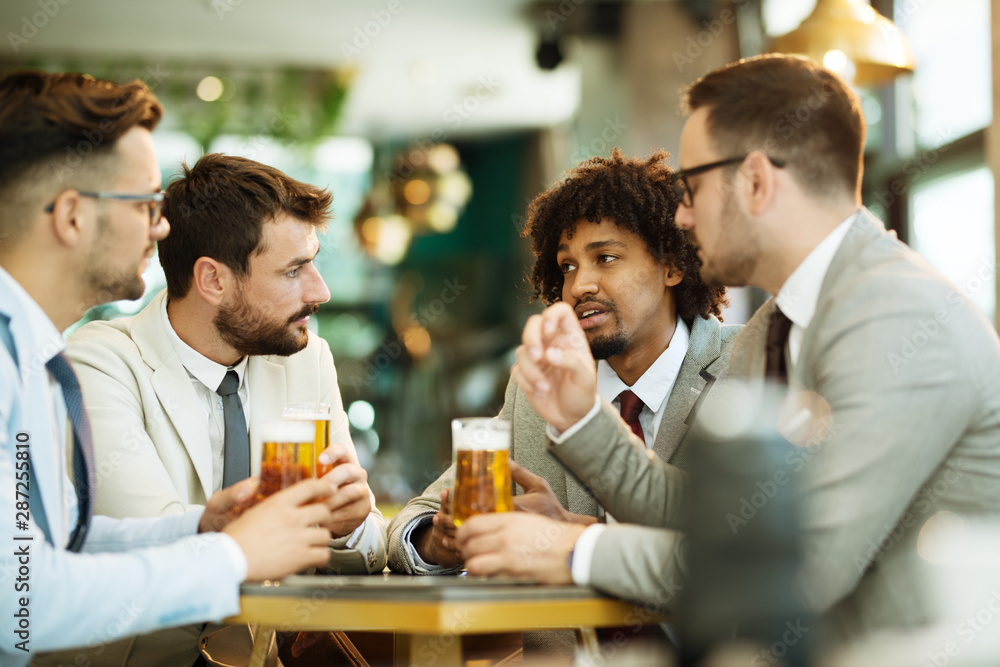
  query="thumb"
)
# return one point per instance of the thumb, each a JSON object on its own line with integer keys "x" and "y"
{"x": 524, "y": 477}
{"x": 245, "y": 490}
{"x": 578, "y": 367}
{"x": 236, "y": 495}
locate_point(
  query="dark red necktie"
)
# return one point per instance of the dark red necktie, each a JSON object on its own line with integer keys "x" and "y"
{"x": 631, "y": 406}
{"x": 775, "y": 366}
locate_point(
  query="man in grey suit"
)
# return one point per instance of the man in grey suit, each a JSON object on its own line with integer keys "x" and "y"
{"x": 607, "y": 248}
{"x": 907, "y": 368}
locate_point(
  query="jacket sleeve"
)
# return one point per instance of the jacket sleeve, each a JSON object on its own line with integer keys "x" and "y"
{"x": 418, "y": 510}
{"x": 633, "y": 486}
{"x": 640, "y": 564}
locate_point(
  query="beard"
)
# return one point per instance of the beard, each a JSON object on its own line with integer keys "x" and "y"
{"x": 738, "y": 249}
{"x": 106, "y": 283}
{"x": 248, "y": 331}
{"x": 607, "y": 346}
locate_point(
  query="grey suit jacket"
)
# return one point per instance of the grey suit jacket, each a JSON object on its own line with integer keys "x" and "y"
{"x": 707, "y": 358}
{"x": 911, "y": 371}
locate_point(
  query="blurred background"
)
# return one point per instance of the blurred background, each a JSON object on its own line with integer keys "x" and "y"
{"x": 435, "y": 122}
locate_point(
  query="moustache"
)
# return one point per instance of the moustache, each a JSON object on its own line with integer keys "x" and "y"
{"x": 305, "y": 312}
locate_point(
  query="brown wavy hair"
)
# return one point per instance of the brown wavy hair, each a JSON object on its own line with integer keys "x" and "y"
{"x": 636, "y": 195}
{"x": 59, "y": 131}
{"x": 218, "y": 208}
{"x": 792, "y": 109}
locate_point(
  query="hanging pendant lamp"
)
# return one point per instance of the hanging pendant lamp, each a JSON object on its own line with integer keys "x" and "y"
{"x": 851, "y": 39}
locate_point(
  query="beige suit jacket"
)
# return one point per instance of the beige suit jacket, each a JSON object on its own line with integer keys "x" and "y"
{"x": 911, "y": 371}
{"x": 151, "y": 446}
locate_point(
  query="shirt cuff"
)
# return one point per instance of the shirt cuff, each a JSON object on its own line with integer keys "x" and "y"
{"x": 236, "y": 556}
{"x": 420, "y": 566}
{"x": 350, "y": 541}
{"x": 560, "y": 438}
{"x": 583, "y": 553}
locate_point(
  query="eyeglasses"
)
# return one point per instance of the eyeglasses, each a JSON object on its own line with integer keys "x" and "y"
{"x": 679, "y": 183}
{"x": 153, "y": 201}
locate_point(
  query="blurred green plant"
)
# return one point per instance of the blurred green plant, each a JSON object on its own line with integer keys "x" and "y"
{"x": 295, "y": 104}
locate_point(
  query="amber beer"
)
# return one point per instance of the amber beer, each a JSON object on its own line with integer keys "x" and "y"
{"x": 482, "y": 467}
{"x": 318, "y": 415}
{"x": 286, "y": 456}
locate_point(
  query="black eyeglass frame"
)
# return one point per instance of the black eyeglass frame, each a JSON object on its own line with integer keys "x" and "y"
{"x": 155, "y": 199}
{"x": 679, "y": 184}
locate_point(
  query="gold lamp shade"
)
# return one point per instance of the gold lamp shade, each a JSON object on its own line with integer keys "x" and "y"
{"x": 853, "y": 40}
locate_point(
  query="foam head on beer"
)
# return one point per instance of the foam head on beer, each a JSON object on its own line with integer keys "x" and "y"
{"x": 482, "y": 467}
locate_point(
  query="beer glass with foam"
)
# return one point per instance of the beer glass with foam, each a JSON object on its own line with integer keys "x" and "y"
{"x": 481, "y": 450}
{"x": 317, "y": 415}
{"x": 287, "y": 455}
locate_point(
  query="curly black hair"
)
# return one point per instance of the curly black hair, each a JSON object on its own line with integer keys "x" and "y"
{"x": 636, "y": 195}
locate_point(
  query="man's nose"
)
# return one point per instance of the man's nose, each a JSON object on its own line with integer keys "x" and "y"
{"x": 160, "y": 230}
{"x": 317, "y": 292}
{"x": 683, "y": 218}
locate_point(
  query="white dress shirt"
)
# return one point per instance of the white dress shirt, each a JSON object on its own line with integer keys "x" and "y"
{"x": 206, "y": 376}
{"x": 797, "y": 298}
{"x": 653, "y": 387}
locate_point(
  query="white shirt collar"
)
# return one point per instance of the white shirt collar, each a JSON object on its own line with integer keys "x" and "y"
{"x": 46, "y": 340}
{"x": 655, "y": 384}
{"x": 201, "y": 367}
{"x": 798, "y": 297}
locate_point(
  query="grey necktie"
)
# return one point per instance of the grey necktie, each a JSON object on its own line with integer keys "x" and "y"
{"x": 236, "y": 443}
{"x": 83, "y": 448}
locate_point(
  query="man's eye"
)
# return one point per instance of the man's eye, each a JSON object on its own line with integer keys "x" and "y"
{"x": 604, "y": 259}
{"x": 566, "y": 267}
{"x": 294, "y": 273}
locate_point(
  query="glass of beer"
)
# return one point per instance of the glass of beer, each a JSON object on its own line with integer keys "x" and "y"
{"x": 287, "y": 455}
{"x": 481, "y": 450}
{"x": 318, "y": 415}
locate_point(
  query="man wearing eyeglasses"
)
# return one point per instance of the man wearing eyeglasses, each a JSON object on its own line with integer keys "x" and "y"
{"x": 908, "y": 367}
{"x": 75, "y": 236}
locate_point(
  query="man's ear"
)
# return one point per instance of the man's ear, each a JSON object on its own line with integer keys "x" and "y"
{"x": 673, "y": 276}
{"x": 68, "y": 219}
{"x": 759, "y": 182}
{"x": 213, "y": 280}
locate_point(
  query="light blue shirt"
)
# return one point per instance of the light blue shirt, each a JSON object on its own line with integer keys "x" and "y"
{"x": 138, "y": 575}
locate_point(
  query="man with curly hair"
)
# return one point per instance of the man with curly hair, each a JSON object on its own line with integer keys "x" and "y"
{"x": 606, "y": 245}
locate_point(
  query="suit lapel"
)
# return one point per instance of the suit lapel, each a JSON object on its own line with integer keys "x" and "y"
{"x": 172, "y": 384}
{"x": 748, "y": 356}
{"x": 704, "y": 347}
{"x": 266, "y": 381}
{"x": 177, "y": 397}
{"x": 863, "y": 231}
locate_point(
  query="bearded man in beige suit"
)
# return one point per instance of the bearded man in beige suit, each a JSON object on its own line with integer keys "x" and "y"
{"x": 606, "y": 246}
{"x": 908, "y": 367}
{"x": 241, "y": 286}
